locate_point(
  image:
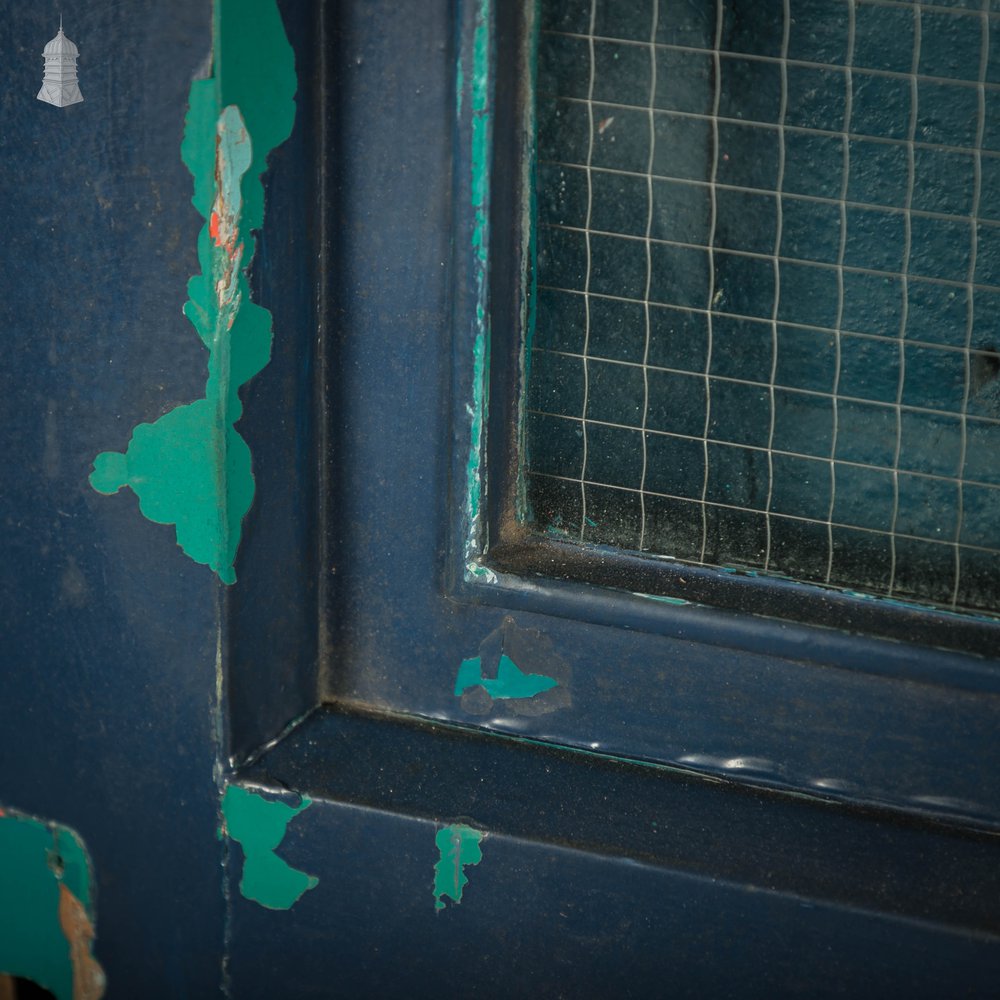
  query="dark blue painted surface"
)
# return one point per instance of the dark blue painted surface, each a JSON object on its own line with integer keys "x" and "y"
{"x": 108, "y": 651}
{"x": 272, "y": 620}
{"x": 862, "y": 857}
{"x": 546, "y": 921}
{"x": 815, "y": 709}
{"x": 801, "y": 708}
{"x": 110, "y": 632}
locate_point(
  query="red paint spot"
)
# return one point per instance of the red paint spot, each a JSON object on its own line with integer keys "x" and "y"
{"x": 213, "y": 227}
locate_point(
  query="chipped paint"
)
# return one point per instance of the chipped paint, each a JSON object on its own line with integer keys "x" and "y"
{"x": 191, "y": 468}
{"x": 458, "y": 846}
{"x": 88, "y": 976}
{"x": 481, "y": 145}
{"x": 46, "y": 908}
{"x": 475, "y": 453}
{"x": 259, "y": 825}
{"x": 480, "y": 572}
{"x": 517, "y": 672}
{"x": 482, "y": 133}
{"x": 510, "y": 681}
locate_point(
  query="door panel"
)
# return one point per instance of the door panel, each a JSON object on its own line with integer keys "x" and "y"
{"x": 463, "y": 767}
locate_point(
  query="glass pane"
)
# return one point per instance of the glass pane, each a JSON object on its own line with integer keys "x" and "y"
{"x": 766, "y": 330}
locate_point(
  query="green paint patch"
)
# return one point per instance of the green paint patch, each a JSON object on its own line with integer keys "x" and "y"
{"x": 457, "y": 846}
{"x": 510, "y": 681}
{"x": 46, "y": 908}
{"x": 258, "y": 825}
{"x": 517, "y": 672}
{"x": 191, "y": 468}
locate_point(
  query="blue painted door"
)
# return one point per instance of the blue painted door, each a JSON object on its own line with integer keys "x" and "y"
{"x": 415, "y": 748}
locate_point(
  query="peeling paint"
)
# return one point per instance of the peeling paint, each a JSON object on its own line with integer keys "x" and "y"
{"x": 46, "y": 908}
{"x": 481, "y": 131}
{"x": 517, "y": 667}
{"x": 259, "y": 825}
{"x": 458, "y": 846}
{"x": 191, "y": 468}
{"x": 481, "y": 125}
{"x": 88, "y": 976}
{"x": 510, "y": 681}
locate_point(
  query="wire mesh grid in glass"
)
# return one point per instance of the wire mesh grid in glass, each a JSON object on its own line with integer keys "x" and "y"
{"x": 765, "y": 331}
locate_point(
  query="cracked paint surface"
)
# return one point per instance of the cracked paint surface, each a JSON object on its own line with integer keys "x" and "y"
{"x": 46, "y": 908}
{"x": 458, "y": 846}
{"x": 191, "y": 468}
{"x": 258, "y": 825}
